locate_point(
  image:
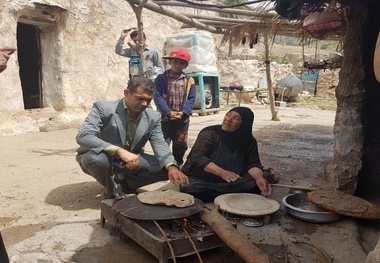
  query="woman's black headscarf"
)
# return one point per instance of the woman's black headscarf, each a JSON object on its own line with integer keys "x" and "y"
{"x": 241, "y": 135}
{"x": 247, "y": 118}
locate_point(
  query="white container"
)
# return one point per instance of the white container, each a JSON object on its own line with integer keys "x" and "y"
{"x": 152, "y": 73}
{"x": 200, "y": 45}
{"x": 280, "y": 105}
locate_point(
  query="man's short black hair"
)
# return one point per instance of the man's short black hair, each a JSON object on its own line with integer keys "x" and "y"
{"x": 143, "y": 82}
{"x": 135, "y": 34}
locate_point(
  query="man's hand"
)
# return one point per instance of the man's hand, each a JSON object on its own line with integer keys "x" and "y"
{"x": 176, "y": 176}
{"x": 124, "y": 32}
{"x": 131, "y": 159}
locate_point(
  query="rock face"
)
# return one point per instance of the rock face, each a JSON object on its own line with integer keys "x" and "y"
{"x": 374, "y": 255}
{"x": 75, "y": 63}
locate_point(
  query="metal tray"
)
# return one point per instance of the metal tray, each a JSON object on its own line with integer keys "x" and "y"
{"x": 132, "y": 207}
{"x": 298, "y": 206}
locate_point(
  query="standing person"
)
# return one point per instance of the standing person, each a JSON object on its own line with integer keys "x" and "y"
{"x": 5, "y": 53}
{"x": 225, "y": 159}
{"x": 112, "y": 140}
{"x": 4, "y": 57}
{"x": 174, "y": 97}
{"x": 150, "y": 55}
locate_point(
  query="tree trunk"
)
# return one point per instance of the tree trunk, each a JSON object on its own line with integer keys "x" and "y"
{"x": 348, "y": 130}
{"x": 230, "y": 48}
{"x": 139, "y": 49}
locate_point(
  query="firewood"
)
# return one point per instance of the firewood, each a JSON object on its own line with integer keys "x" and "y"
{"x": 232, "y": 238}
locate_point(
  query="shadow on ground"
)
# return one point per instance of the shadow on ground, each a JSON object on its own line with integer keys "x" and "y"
{"x": 80, "y": 196}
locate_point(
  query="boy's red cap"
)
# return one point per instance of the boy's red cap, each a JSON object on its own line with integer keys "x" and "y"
{"x": 179, "y": 54}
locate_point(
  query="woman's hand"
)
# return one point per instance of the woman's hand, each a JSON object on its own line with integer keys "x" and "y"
{"x": 264, "y": 186}
{"x": 229, "y": 176}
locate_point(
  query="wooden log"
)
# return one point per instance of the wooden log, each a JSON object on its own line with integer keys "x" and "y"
{"x": 232, "y": 238}
{"x": 231, "y": 11}
{"x": 184, "y": 19}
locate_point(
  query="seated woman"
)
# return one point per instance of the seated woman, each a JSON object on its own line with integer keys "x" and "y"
{"x": 225, "y": 159}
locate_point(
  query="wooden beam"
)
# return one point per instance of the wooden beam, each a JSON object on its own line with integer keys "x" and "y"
{"x": 221, "y": 28}
{"x": 184, "y": 19}
{"x": 263, "y": 26}
{"x": 219, "y": 10}
{"x": 223, "y": 19}
{"x": 218, "y": 23}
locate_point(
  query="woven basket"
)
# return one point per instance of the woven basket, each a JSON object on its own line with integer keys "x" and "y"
{"x": 318, "y": 24}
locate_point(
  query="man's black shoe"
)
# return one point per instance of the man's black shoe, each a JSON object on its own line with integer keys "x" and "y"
{"x": 124, "y": 186}
{"x": 112, "y": 196}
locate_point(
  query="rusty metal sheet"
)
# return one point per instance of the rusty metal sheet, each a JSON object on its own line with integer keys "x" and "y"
{"x": 132, "y": 207}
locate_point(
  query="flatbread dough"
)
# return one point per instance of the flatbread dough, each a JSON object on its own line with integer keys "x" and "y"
{"x": 168, "y": 198}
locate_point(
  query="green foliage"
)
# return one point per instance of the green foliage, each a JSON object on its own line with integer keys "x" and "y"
{"x": 311, "y": 99}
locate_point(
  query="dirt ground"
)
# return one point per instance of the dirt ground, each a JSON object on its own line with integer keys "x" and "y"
{"x": 50, "y": 210}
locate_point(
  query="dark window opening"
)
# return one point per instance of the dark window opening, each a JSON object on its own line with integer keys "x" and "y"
{"x": 29, "y": 58}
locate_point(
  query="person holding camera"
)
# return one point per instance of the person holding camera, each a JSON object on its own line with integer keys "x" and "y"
{"x": 150, "y": 55}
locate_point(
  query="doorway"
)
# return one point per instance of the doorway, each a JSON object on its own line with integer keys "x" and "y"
{"x": 29, "y": 58}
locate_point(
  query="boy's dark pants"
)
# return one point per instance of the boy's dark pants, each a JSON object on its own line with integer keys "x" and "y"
{"x": 176, "y": 132}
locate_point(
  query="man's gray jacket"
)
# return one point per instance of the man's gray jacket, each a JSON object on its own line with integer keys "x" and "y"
{"x": 106, "y": 125}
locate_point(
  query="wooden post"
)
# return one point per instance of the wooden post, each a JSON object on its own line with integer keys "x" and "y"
{"x": 269, "y": 80}
{"x": 140, "y": 47}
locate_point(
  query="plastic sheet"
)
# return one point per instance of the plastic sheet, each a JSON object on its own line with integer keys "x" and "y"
{"x": 201, "y": 46}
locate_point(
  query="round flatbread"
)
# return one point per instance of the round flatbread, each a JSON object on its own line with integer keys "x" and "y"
{"x": 344, "y": 204}
{"x": 167, "y": 198}
{"x": 247, "y": 204}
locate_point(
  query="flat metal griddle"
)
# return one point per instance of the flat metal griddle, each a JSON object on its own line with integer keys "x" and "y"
{"x": 132, "y": 207}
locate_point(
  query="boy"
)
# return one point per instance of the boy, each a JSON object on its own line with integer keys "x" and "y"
{"x": 174, "y": 97}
